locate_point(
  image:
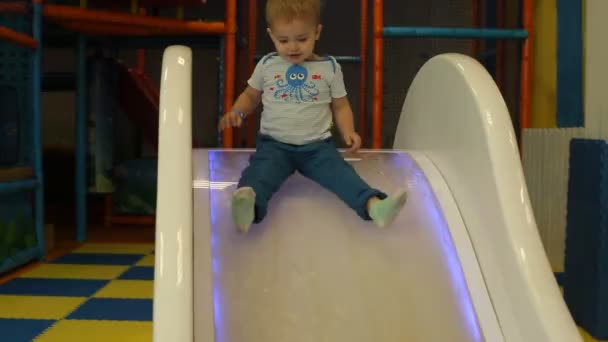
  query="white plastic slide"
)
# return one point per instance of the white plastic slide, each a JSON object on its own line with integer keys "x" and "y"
{"x": 462, "y": 262}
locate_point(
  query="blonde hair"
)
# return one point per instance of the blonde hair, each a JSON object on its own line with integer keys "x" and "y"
{"x": 293, "y": 9}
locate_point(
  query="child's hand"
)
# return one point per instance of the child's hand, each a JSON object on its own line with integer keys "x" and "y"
{"x": 353, "y": 140}
{"x": 230, "y": 119}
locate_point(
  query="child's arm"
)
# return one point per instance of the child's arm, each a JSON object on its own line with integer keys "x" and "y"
{"x": 243, "y": 106}
{"x": 345, "y": 122}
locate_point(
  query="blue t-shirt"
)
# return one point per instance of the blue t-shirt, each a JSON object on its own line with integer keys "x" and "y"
{"x": 296, "y": 98}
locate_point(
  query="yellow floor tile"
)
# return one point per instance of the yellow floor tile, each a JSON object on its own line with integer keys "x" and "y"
{"x": 60, "y": 271}
{"x": 148, "y": 260}
{"x": 125, "y": 248}
{"x": 101, "y": 331}
{"x": 38, "y": 307}
{"x": 140, "y": 289}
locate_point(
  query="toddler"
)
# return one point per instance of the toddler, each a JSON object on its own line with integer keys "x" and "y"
{"x": 300, "y": 91}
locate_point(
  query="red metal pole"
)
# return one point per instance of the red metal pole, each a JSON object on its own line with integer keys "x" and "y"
{"x": 13, "y": 7}
{"x": 378, "y": 76}
{"x": 500, "y": 44}
{"x": 92, "y": 28}
{"x": 476, "y": 23}
{"x": 229, "y": 69}
{"x": 363, "y": 72}
{"x": 252, "y": 39}
{"x": 141, "y": 53}
{"x": 67, "y": 13}
{"x": 526, "y": 65}
{"x": 17, "y": 38}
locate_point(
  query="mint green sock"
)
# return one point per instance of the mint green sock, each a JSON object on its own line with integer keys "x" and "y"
{"x": 243, "y": 213}
{"x": 384, "y": 212}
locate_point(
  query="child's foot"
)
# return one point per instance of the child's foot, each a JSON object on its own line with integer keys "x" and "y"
{"x": 243, "y": 201}
{"x": 383, "y": 212}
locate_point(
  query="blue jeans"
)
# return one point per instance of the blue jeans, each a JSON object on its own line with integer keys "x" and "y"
{"x": 273, "y": 162}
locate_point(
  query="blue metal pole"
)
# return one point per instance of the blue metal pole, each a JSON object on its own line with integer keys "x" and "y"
{"x": 570, "y": 97}
{"x": 36, "y": 126}
{"x": 348, "y": 59}
{"x": 444, "y": 32}
{"x": 81, "y": 142}
{"x": 21, "y": 185}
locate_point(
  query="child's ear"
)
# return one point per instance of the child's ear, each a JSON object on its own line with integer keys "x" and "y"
{"x": 269, "y": 33}
{"x": 319, "y": 28}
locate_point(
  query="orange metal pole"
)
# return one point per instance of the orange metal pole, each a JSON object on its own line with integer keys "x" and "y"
{"x": 60, "y": 12}
{"x": 363, "y": 72}
{"x": 237, "y": 133}
{"x": 526, "y": 65}
{"x": 141, "y": 53}
{"x": 378, "y": 77}
{"x": 229, "y": 69}
{"x": 91, "y": 28}
{"x": 252, "y": 39}
{"x": 17, "y": 38}
{"x": 252, "y": 34}
{"x": 500, "y": 44}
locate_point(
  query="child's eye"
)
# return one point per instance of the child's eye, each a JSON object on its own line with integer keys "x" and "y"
{"x": 302, "y": 40}
{"x": 283, "y": 41}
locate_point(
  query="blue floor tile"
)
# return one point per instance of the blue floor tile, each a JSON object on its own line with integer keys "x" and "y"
{"x": 114, "y": 309}
{"x": 99, "y": 259}
{"x": 52, "y": 287}
{"x": 138, "y": 273}
{"x": 22, "y": 330}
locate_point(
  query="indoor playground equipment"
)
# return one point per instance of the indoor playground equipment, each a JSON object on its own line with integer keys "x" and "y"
{"x": 21, "y": 177}
{"x": 107, "y": 18}
{"x": 95, "y": 22}
{"x": 120, "y": 90}
{"x": 89, "y": 21}
{"x": 464, "y": 255}
{"x": 494, "y": 36}
{"x": 525, "y": 34}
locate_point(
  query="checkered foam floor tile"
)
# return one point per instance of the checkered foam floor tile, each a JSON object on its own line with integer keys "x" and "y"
{"x": 99, "y": 292}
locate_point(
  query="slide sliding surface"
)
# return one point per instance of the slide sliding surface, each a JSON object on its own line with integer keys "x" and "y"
{"x": 314, "y": 271}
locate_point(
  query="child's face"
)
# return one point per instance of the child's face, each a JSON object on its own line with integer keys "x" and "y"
{"x": 295, "y": 39}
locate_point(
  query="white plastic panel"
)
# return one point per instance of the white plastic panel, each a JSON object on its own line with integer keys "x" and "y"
{"x": 455, "y": 115}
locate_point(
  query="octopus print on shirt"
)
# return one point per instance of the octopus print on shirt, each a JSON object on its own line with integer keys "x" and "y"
{"x": 294, "y": 86}
{"x": 297, "y": 98}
